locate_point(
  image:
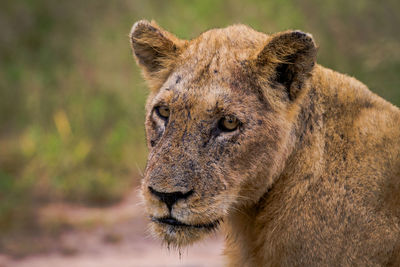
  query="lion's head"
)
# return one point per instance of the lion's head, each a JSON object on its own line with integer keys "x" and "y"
{"x": 218, "y": 121}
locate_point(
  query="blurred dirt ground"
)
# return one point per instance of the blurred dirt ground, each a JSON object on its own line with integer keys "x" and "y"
{"x": 113, "y": 236}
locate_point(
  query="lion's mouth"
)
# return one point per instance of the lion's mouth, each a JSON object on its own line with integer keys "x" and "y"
{"x": 174, "y": 222}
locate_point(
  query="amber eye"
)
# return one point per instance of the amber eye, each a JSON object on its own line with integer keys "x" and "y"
{"x": 228, "y": 123}
{"x": 163, "y": 112}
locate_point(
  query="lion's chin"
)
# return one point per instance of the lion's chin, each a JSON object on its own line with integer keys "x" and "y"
{"x": 179, "y": 234}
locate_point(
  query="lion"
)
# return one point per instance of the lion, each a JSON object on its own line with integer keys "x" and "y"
{"x": 298, "y": 163}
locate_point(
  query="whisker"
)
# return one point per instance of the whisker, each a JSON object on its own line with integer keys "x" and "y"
{"x": 139, "y": 170}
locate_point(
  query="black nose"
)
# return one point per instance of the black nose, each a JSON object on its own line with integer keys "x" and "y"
{"x": 170, "y": 198}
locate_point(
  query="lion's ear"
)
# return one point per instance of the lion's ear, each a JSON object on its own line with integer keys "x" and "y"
{"x": 155, "y": 50}
{"x": 288, "y": 58}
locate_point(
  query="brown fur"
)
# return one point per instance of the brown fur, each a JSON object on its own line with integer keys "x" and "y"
{"x": 310, "y": 178}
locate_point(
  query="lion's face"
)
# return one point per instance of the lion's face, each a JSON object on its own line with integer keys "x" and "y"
{"x": 205, "y": 145}
{"x": 215, "y": 130}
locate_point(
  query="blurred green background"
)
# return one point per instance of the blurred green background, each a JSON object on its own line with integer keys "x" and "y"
{"x": 72, "y": 98}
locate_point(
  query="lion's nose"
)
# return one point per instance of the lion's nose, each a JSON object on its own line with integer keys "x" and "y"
{"x": 170, "y": 198}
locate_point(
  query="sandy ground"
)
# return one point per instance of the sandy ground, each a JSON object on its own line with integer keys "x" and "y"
{"x": 114, "y": 236}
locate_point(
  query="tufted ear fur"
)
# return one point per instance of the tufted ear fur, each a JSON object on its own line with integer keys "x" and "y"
{"x": 155, "y": 50}
{"x": 288, "y": 58}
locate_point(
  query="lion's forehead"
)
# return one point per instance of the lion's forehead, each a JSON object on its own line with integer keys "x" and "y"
{"x": 206, "y": 88}
{"x": 218, "y": 53}
{"x": 205, "y": 100}
{"x": 236, "y": 41}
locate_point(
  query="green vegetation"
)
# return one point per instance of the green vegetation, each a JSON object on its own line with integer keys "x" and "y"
{"x": 72, "y": 99}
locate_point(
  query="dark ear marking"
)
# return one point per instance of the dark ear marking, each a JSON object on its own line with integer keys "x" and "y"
{"x": 291, "y": 55}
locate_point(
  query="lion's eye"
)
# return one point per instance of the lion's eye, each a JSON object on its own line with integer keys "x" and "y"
{"x": 163, "y": 112}
{"x": 228, "y": 123}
